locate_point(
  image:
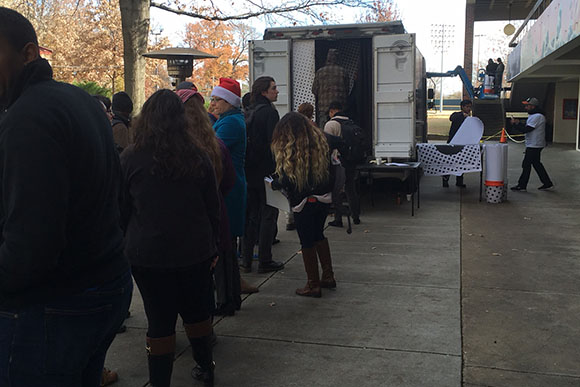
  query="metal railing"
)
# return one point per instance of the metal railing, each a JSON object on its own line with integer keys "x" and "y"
{"x": 534, "y": 14}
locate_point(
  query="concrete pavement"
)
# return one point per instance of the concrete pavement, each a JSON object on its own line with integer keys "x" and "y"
{"x": 421, "y": 301}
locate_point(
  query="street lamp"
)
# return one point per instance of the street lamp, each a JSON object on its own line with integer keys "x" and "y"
{"x": 179, "y": 60}
{"x": 442, "y": 38}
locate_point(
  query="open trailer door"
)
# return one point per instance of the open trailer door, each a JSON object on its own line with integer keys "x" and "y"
{"x": 272, "y": 58}
{"x": 394, "y": 94}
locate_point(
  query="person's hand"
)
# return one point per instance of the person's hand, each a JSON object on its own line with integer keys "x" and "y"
{"x": 214, "y": 262}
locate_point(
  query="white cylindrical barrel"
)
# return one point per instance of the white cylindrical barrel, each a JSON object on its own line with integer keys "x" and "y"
{"x": 488, "y": 84}
{"x": 495, "y": 172}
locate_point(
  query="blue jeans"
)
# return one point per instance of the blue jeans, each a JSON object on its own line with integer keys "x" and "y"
{"x": 63, "y": 343}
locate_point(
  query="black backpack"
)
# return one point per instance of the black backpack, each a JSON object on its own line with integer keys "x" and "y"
{"x": 255, "y": 140}
{"x": 355, "y": 140}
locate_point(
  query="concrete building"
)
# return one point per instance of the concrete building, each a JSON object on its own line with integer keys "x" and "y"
{"x": 545, "y": 60}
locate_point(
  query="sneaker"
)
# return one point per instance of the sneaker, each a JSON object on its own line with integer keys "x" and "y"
{"x": 335, "y": 223}
{"x": 460, "y": 185}
{"x": 275, "y": 241}
{"x": 546, "y": 186}
{"x": 518, "y": 188}
{"x": 356, "y": 220}
{"x": 445, "y": 184}
{"x": 270, "y": 267}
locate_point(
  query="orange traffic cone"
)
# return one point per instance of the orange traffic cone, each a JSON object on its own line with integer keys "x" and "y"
{"x": 502, "y": 139}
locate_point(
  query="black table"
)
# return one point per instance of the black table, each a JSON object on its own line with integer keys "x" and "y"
{"x": 413, "y": 166}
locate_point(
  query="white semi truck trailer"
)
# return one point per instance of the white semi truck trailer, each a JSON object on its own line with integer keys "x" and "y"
{"x": 388, "y": 96}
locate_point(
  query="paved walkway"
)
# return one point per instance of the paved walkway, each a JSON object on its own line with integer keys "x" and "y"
{"x": 421, "y": 301}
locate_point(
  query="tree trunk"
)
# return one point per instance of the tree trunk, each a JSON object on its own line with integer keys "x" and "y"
{"x": 135, "y": 22}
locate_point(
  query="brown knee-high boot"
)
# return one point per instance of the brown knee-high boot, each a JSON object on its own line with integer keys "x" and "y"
{"x": 161, "y": 352}
{"x": 199, "y": 335}
{"x": 323, "y": 249}
{"x": 312, "y": 288}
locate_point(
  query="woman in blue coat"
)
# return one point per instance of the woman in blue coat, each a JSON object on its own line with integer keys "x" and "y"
{"x": 231, "y": 129}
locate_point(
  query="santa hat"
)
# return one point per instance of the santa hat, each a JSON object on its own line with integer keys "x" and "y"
{"x": 228, "y": 89}
{"x": 186, "y": 94}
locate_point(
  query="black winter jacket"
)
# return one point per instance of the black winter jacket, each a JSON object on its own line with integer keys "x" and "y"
{"x": 59, "y": 182}
{"x": 170, "y": 223}
{"x": 264, "y": 122}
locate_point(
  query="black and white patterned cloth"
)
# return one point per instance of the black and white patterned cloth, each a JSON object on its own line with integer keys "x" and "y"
{"x": 445, "y": 159}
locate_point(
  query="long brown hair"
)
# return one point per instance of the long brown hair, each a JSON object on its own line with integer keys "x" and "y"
{"x": 203, "y": 133}
{"x": 300, "y": 150}
{"x": 162, "y": 128}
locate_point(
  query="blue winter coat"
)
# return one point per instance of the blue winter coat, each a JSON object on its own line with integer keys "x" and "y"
{"x": 231, "y": 129}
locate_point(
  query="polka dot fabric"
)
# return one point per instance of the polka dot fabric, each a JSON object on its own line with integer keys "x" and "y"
{"x": 440, "y": 160}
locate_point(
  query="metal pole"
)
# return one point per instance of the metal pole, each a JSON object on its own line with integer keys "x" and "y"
{"x": 442, "y": 51}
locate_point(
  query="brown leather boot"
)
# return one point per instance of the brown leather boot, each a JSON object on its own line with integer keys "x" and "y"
{"x": 248, "y": 288}
{"x": 323, "y": 249}
{"x": 312, "y": 288}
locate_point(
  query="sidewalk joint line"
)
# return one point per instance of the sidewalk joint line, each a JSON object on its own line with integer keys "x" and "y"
{"x": 525, "y": 372}
{"x": 340, "y": 345}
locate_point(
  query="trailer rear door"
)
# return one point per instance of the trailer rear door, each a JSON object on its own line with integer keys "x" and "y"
{"x": 272, "y": 58}
{"x": 394, "y": 93}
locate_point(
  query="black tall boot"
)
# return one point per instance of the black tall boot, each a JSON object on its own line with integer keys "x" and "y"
{"x": 160, "y": 369}
{"x": 199, "y": 335}
{"x": 161, "y": 353}
{"x": 202, "y": 354}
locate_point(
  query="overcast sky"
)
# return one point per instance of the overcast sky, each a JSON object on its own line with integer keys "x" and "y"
{"x": 418, "y": 16}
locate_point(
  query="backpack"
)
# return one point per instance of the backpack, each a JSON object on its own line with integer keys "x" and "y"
{"x": 255, "y": 140}
{"x": 355, "y": 140}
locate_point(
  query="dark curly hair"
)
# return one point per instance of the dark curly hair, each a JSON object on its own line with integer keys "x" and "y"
{"x": 163, "y": 129}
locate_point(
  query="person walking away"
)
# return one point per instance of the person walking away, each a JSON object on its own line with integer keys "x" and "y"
{"x": 303, "y": 171}
{"x": 457, "y": 119}
{"x": 231, "y": 129}
{"x": 122, "y": 108}
{"x": 261, "y": 224}
{"x": 171, "y": 216}
{"x": 499, "y": 76}
{"x": 535, "y": 130}
{"x": 338, "y": 121}
{"x": 65, "y": 285}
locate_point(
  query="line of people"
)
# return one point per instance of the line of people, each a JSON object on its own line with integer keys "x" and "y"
{"x": 79, "y": 222}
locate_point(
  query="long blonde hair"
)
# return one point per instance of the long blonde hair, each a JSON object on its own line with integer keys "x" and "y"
{"x": 301, "y": 151}
{"x": 204, "y": 134}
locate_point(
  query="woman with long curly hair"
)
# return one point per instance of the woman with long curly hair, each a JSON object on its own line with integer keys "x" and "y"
{"x": 226, "y": 272}
{"x": 303, "y": 170}
{"x": 171, "y": 216}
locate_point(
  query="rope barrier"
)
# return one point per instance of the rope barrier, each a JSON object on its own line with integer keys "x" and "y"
{"x": 498, "y": 134}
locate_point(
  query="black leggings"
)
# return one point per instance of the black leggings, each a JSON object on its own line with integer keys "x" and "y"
{"x": 169, "y": 292}
{"x": 310, "y": 223}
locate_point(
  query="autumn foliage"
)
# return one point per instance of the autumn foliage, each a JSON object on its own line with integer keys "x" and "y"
{"x": 226, "y": 41}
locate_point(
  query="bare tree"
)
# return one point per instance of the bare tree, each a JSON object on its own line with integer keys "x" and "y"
{"x": 135, "y": 20}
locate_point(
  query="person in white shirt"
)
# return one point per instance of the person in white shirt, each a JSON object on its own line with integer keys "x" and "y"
{"x": 535, "y": 130}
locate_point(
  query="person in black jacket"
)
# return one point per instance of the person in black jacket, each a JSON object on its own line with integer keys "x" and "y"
{"x": 261, "y": 220}
{"x": 457, "y": 119}
{"x": 302, "y": 159}
{"x": 171, "y": 214}
{"x": 65, "y": 285}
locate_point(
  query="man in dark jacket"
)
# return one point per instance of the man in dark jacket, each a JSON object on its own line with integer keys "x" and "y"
{"x": 261, "y": 218}
{"x": 457, "y": 119}
{"x": 65, "y": 285}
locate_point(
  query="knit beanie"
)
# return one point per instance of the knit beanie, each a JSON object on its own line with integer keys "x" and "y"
{"x": 186, "y": 94}
{"x": 122, "y": 102}
{"x": 228, "y": 89}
